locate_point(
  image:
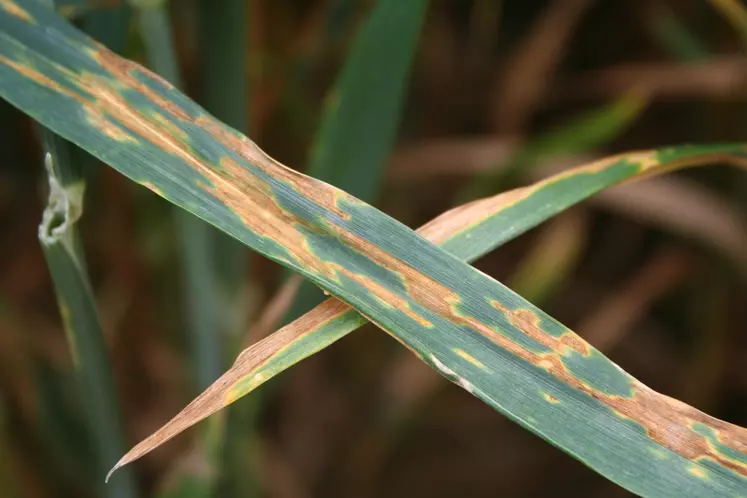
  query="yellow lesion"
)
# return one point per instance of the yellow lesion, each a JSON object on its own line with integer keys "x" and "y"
{"x": 658, "y": 453}
{"x": 647, "y": 160}
{"x": 469, "y": 358}
{"x": 152, "y": 188}
{"x": 699, "y": 472}
{"x": 385, "y": 296}
{"x": 26, "y": 70}
{"x": 65, "y": 314}
{"x": 545, "y": 364}
{"x": 550, "y": 398}
{"x": 530, "y": 324}
{"x": 67, "y": 323}
{"x": 242, "y": 387}
{"x": 15, "y": 10}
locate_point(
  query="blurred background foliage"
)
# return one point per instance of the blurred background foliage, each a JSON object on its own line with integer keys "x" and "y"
{"x": 500, "y": 93}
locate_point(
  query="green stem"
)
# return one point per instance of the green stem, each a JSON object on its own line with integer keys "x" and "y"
{"x": 65, "y": 259}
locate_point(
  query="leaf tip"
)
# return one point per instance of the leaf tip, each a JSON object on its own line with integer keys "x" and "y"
{"x": 109, "y": 475}
{"x": 128, "y": 458}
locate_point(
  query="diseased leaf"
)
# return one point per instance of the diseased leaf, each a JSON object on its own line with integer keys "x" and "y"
{"x": 499, "y": 218}
{"x": 466, "y": 325}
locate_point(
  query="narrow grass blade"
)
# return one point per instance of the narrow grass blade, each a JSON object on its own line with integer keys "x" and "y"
{"x": 497, "y": 220}
{"x": 362, "y": 111}
{"x": 461, "y": 322}
{"x": 59, "y": 241}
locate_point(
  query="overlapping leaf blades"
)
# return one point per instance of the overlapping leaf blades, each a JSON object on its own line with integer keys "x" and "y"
{"x": 466, "y": 325}
{"x": 332, "y": 320}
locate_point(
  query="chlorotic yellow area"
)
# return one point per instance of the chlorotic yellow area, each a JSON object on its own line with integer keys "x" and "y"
{"x": 698, "y": 472}
{"x": 658, "y": 453}
{"x": 15, "y": 10}
{"x": 233, "y": 394}
{"x": 68, "y": 325}
{"x": 550, "y": 398}
{"x": 152, "y": 188}
{"x": 471, "y": 359}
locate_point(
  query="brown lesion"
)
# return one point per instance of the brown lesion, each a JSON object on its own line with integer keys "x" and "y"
{"x": 124, "y": 72}
{"x": 321, "y": 193}
{"x": 110, "y": 102}
{"x": 252, "y": 199}
{"x": 664, "y": 419}
{"x": 37, "y": 77}
{"x": 385, "y": 295}
{"x": 245, "y": 194}
{"x": 529, "y": 323}
{"x": 470, "y": 359}
{"x": 668, "y": 422}
{"x": 15, "y": 10}
{"x": 462, "y": 218}
{"x": 254, "y": 203}
{"x": 465, "y": 217}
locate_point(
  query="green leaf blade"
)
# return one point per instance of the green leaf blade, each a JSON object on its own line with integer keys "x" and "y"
{"x": 362, "y": 112}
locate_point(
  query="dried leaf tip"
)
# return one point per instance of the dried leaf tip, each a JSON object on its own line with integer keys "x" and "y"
{"x": 121, "y": 463}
